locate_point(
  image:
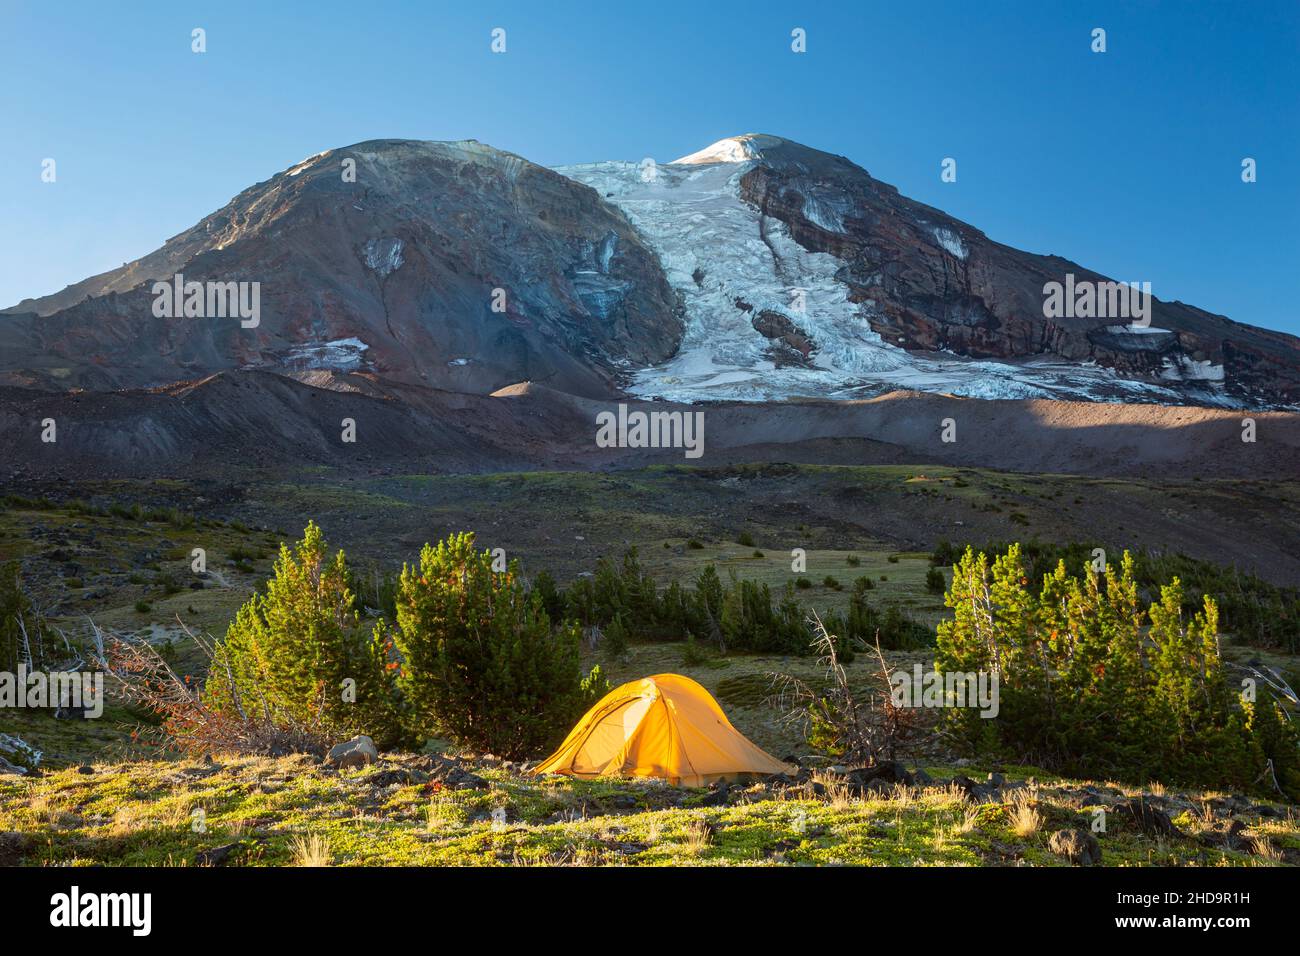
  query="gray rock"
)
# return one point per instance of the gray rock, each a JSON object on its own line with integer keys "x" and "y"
{"x": 1078, "y": 846}
{"x": 975, "y": 792}
{"x": 887, "y": 771}
{"x": 357, "y": 752}
{"x": 402, "y": 776}
{"x": 715, "y": 798}
{"x": 215, "y": 856}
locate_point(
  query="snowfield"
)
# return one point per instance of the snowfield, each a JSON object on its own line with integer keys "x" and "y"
{"x": 720, "y": 253}
{"x": 340, "y": 355}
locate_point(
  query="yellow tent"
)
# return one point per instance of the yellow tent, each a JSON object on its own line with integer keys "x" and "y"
{"x": 663, "y": 726}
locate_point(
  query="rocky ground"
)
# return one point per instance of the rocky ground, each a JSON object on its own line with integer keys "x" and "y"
{"x": 435, "y": 809}
{"x": 247, "y": 426}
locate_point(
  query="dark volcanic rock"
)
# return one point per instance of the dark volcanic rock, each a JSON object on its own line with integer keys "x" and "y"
{"x": 887, "y": 772}
{"x": 792, "y": 346}
{"x": 1148, "y": 817}
{"x": 217, "y": 855}
{"x": 1078, "y": 846}
{"x": 928, "y": 281}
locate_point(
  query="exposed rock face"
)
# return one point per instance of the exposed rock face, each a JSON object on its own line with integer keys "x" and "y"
{"x": 928, "y": 281}
{"x": 395, "y": 273}
{"x": 791, "y": 344}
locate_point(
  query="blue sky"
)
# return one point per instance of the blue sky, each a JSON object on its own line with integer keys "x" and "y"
{"x": 1127, "y": 162}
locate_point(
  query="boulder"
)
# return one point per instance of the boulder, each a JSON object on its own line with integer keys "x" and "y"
{"x": 1078, "y": 846}
{"x": 357, "y": 752}
{"x": 400, "y": 776}
{"x": 718, "y": 796}
{"x": 886, "y": 772}
{"x": 215, "y": 856}
{"x": 975, "y": 792}
{"x": 1149, "y": 818}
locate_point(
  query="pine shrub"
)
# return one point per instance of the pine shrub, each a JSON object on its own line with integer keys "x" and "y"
{"x": 298, "y": 653}
{"x": 1094, "y": 683}
{"x": 480, "y": 660}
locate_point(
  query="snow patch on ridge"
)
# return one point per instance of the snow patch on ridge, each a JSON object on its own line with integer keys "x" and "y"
{"x": 733, "y": 149}
{"x": 950, "y": 241}
{"x": 299, "y": 167}
{"x": 339, "y": 355}
{"x": 384, "y": 255}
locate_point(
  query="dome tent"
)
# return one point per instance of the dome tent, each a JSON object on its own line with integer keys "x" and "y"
{"x": 662, "y": 726}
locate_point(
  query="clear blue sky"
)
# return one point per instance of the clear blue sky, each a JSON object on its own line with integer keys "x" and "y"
{"x": 1128, "y": 161}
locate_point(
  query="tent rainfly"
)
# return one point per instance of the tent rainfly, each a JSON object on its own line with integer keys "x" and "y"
{"x": 662, "y": 726}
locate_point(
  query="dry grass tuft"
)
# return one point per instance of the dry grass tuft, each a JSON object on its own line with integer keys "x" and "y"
{"x": 312, "y": 850}
{"x": 1025, "y": 820}
{"x": 970, "y": 820}
{"x": 699, "y": 835}
{"x": 838, "y": 793}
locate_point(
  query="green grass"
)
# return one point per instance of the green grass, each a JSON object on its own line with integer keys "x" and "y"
{"x": 151, "y": 813}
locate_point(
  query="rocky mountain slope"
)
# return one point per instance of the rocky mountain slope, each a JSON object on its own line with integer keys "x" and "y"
{"x": 395, "y": 272}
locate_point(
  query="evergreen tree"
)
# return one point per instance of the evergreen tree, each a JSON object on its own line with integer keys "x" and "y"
{"x": 480, "y": 660}
{"x": 707, "y": 613}
{"x": 553, "y": 599}
{"x": 1084, "y": 689}
{"x": 616, "y": 638}
{"x": 298, "y": 652}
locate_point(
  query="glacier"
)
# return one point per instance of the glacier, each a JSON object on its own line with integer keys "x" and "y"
{"x": 729, "y": 262}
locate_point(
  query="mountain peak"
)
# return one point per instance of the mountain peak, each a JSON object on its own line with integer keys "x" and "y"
{"x": 733, "y": 149}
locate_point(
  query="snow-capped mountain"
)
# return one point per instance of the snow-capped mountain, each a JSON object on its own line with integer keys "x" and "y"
{"x": 756, "y": 269}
